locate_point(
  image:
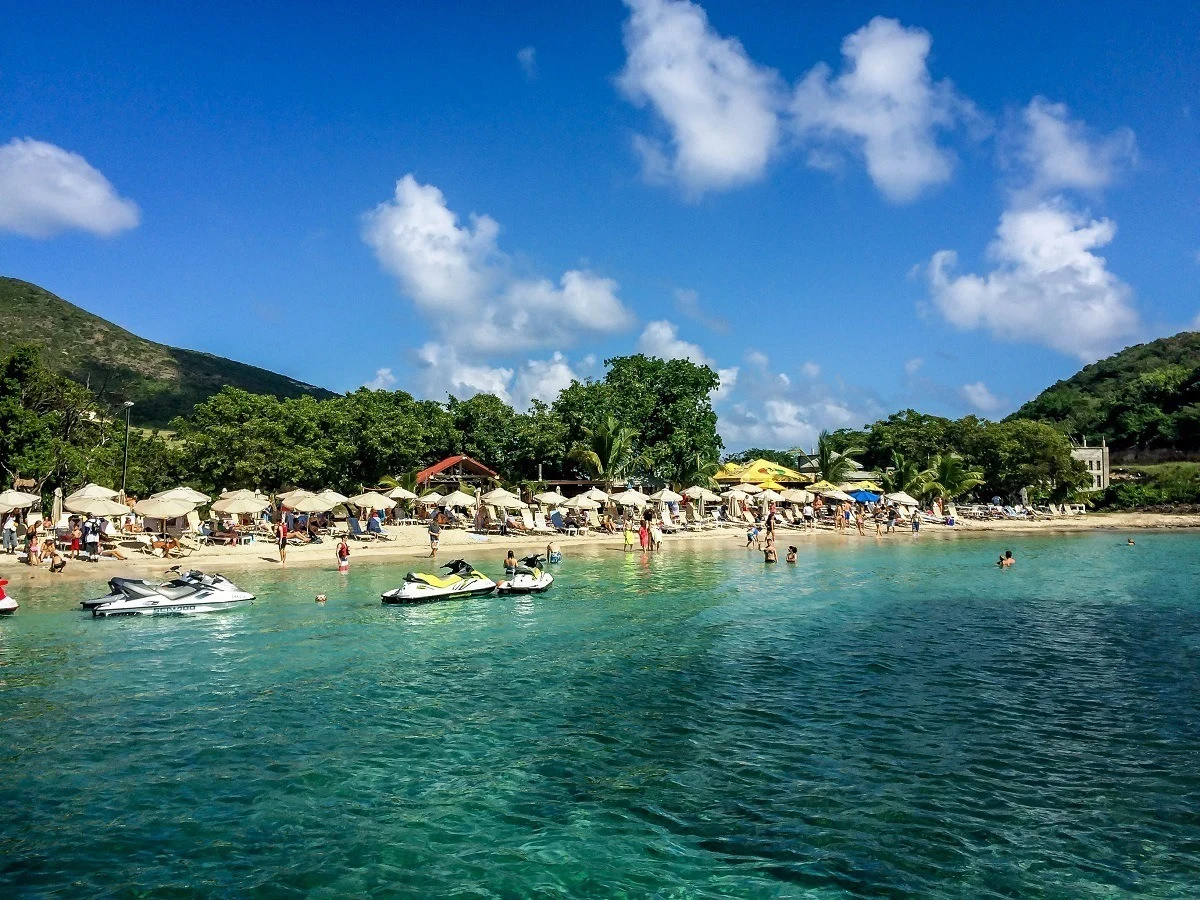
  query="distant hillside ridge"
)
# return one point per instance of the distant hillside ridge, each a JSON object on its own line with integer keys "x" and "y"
{"x": 1145, "y": 399}
{"x": 162, "y": 381}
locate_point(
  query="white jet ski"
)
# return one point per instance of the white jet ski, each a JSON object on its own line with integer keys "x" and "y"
{"x": 189, "y": 592}
{"x": 8, "y": 605}
{"x": 527, "y": 577}
{"x": 420, "y": 587}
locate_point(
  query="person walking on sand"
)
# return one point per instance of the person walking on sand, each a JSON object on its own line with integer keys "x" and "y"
{"x": 343, "y": 556}
{"x": 10, "y": 533}
{"x": 655, "y": 538}
{"x": 76, "y": 538}
{"x": 281, "y": 538}
{"x": 916, "y": 522}
{"x": 435, "y": 531}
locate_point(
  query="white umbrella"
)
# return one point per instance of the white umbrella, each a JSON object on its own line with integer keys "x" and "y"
{"x": 666, "y": 495}
{"x": 550, "y": 498}
{"x": 336, "y": 499}
{"x": 240, "y": 492}
{"x": 594, "y": 493}
{"x": 372, "y": 500}
{"x": 291, "y": 498}
{"x": 796, "y": 495}
{"x": 734, "y": 494}
{"x": 902, "y": 499}
{"x": 17, "y": 499}
{"x": 400, "y": 493}
{"x": 747, "y": 488}
{"x": 99, "y": 506}
{"x": 163, "y": 507}
{"x": 695, "y": 492}
{"x": 630, "y": 498}
{"x": 835, "y": 495}
{"x": 90, "y": 491}
{"x": 768, "y": 495}
{"x": 314, "y": 504}
{"x": 237, "y": 506}
{"x": 502, "y": 497}
{"x": 431, "y": 497}
{"x": 581, "y": 502}
{"x": 182, "y": 493}
{"x": 458, "y": 498}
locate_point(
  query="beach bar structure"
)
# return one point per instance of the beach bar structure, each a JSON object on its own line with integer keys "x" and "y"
{"x": 456, "y": 470}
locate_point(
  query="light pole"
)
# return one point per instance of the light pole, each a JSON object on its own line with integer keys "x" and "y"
{"x": 125, "y": 463}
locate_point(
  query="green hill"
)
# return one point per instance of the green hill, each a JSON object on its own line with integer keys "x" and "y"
{"x": 1146, "y": 397}
{"x": 163, "y": 381}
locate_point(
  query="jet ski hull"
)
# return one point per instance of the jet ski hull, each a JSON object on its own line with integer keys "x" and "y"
{"x": 192, "y": 592}
{"x": 524, "y": 584}
{"x": 148, "y": 606}
{"x": 410, "y": 594}
{"x": 8, "y": 606}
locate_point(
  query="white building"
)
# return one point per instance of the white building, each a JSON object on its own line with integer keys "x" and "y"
{"x": 1096, "y": 460}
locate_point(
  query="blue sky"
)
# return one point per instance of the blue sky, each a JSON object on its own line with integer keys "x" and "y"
{"x": 846, "y": 211}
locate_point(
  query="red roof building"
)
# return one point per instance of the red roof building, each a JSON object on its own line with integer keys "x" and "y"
{"x": 454, "y": 469}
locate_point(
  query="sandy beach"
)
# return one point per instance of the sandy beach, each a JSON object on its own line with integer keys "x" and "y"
{"x": 410, "y": 545}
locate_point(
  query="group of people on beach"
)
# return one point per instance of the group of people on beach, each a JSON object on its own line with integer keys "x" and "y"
{"x": 648, "y": 533}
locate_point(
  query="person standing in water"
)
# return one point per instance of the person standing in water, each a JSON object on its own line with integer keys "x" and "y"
{"x": 769, "y": 554}
{"x": 629, "y": 535}
{"x": 343, "y": 556}
{"x": 281, "y": 537}
{"x": 435, "y": 531}
{"x": 1006, "y": 560}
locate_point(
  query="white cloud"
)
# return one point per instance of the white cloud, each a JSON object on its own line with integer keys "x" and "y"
{"x": 384, "y": 380}
{"x": 687, "y": 301}
{"x": 884, "y": 104}
{"x": 1048, "y": 285}
{"x": 527, "y": 58}
{"x": 729, "y": 380}
{"x": 757, "y": 358}
{"x": 442, "y": 372}
{"x": 661, "y": 338}
{"x": 1060, "y": 153}
{"x": 810, "y": 369}
{"x": 457, "y": 275}
{"x": 719, "y": 107}
{"x": 980, "y": 398}
{"x": 913, "y": 366}
{"x": 45, "y": 190}
{"x": 542, "y": 379}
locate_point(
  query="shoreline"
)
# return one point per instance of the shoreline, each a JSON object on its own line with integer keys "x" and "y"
{"x": 411, "y": 545}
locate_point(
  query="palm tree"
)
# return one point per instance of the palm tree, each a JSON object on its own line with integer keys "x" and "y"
{"x": 697, "y": 470}
{"x": 949, "y": 477}
{"x": 832, "y": 466}
{"x": 606, "y": 451}
{"x": 904, "y": 475}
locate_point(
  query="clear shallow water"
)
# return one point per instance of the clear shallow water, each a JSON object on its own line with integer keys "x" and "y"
{"x": 881, "y": 721}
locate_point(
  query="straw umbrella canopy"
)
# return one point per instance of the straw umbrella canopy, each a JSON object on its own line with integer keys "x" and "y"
{"x": 237, "y": 506}
{"x": 99, "y": 506}
{"x": 902, "y": 499}
{"x": 797, "y": 495}
{"x": 748, "y": 488}
{"x": 666, "y": 495}
{"x": 372, "y": 500}
{"x": 90, "y": 491}
{"x": 399, "y": 493}
{"x": 630, "y": 498}
{"x": 191, "y": 495}
{"x": 458, "y": 498}
{"x": 581, "y": 502}
{"x": 17, "y": 500}
{"x": 594, "y": 493}
{"x": 550, "y": 498}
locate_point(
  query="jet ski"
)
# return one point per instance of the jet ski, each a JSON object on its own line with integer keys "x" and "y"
{"x": 462, "y": 581}
{"x": 189, "y": 592}
{"x": 526, "y": 578}
{"x": 8, "y": 605}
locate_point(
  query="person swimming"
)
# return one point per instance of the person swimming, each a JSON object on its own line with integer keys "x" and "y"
{"x": 510, "y": 563}
{"x": 1130, "y": 542}
{"x": 791, "y": 555}
{"x": 1006, "y": 560}
{"x": 769, "y": 553}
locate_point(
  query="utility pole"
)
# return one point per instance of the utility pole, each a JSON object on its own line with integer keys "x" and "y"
{"x": 125, "y": 462}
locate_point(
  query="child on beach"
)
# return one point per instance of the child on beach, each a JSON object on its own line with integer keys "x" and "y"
{"x": 655, "y": 538}
{"x": 343, "y": 556}
{"x": 629, "y": 536}
{"x": 644, "y": 536}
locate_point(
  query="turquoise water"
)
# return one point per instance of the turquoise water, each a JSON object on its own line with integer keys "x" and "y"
{"x": 874, "y": 721}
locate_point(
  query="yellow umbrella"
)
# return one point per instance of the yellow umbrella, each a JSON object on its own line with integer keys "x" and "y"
{"x": 869, "y": 486}
{"x": 821, "y": 487}
{"x": 770, "y": 485}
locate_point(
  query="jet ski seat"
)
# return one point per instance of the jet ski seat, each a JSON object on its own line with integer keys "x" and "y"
{"x": 432, "y": 580}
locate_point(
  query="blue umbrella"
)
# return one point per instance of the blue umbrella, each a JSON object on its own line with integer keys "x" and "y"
{"x": 865, "y": 497}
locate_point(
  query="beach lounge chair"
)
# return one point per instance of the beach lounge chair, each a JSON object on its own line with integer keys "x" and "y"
{"x": 539, "y": 524}
{"x": 356, "y": 530}
{"x": 556, "y": 519}
{"x": 664, "y": 517}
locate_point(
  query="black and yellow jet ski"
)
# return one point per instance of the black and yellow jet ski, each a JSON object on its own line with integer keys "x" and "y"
{"x": 462, "y": 581}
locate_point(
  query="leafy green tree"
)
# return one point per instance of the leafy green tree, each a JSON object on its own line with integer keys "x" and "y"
{"x": 1019, "y": 454}
{"x": 904, "y": 475}
{"x": 949, "y": 478}
{"x": 833, "y": 465}
{"x": 786, "y": 458}
{"x": 606, "y": 451}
